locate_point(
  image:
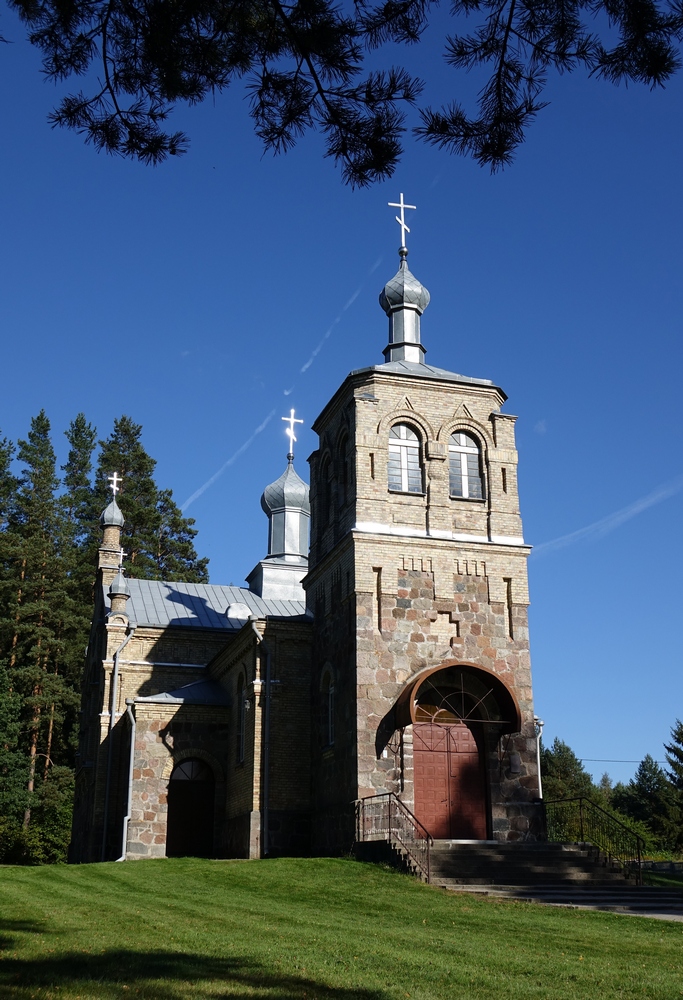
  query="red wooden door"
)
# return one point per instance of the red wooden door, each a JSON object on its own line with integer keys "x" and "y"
{"x": 450, "y": 796}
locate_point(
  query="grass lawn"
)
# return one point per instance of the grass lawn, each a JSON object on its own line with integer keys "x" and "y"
{"x": 306, "y": 929}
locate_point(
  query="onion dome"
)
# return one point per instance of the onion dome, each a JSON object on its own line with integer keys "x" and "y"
{"x": 112, "y": 516}
{"x": 119, "y": 586}
{"x": 404, "y": 299}
{"x": 404, "y": 290}
{"x": 289, "y": 491}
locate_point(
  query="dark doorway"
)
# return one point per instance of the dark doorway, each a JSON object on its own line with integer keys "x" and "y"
{"x": 450, "y": 788}
{"x": 190, "y": 810}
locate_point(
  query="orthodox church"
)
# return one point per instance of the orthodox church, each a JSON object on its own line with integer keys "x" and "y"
{"x": 389, "y": 656}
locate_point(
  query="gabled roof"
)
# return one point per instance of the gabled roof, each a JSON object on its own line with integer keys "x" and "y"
{"x": 199, "y": 605}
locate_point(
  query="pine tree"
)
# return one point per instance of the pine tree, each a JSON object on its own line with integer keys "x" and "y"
{"x": 564, "y": 776}
{"x": 650, "y": 798}
{"x": 674, "y": 756}
{"x": 157, "y": 539}
{"x": 39, "y": 615}
{"x": 79, "y": 505}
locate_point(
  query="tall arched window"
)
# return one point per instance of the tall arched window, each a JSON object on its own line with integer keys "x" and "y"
{"x": 344, "y": 471}
{"x": 465, "y": 467}
{"x": 325, "y": 495}
{"x": 405, "y": 469}
{"x": 327, "y": 699}
{"x": 241, "y": 719}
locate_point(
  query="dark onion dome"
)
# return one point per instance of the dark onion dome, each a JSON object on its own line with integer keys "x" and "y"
{"x": 287, "y": 491}
{"x": 404, "y": 290}
{"x": 119, "y": 586}
{"x": 112, "y": 516}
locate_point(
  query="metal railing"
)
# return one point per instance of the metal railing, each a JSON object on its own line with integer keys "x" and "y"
{"x": 385, "y": 817}
{"x": 582, "y": 821}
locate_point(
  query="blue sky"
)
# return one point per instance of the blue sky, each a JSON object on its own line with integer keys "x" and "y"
{"x": 192, "y": 296}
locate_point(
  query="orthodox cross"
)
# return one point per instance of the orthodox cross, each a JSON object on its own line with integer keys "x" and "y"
{"x": 402, "y": 220}
{"x": 289, "y": 431}
{"x": 122, "y": 556}
{"x": 115, "y": 479}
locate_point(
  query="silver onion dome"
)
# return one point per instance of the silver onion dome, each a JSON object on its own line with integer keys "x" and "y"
{"x": 404, "y": 299}
{"x": 289, "y": 491}
{"x": 119, "y": 586}
{"x": 112, "y": 516}
{"x": 404, "y": 289}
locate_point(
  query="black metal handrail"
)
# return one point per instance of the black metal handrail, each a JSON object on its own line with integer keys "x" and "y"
{"x": 385, "y": 817}
{"x": 583, "y": 821}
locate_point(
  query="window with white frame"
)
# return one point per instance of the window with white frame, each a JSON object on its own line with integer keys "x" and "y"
{"x": 405, "y": 469}
{"x": 465, "y": 467}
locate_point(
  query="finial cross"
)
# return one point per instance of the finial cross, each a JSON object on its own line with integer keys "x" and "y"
{"x": 402, "y": 219}
{"x": 115, "y": 479}
{"x": 289, "y": 431}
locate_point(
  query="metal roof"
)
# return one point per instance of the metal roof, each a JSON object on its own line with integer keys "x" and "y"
{"x": 196, "y": 693}
{"x": 199, "y": 605}
{"x": 421, "y": 371}
{"x": 288, "y": 491}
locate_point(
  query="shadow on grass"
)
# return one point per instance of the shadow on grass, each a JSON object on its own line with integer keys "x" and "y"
{"x": 155, "y": 975}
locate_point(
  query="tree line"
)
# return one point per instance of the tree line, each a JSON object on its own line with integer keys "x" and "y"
{"x": 49, "y": 536}
{"x": 651, "y": 803}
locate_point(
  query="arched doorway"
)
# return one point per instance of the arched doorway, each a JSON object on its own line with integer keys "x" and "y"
{"x": 190, "y": 810}
{"x": 458, "y": 715}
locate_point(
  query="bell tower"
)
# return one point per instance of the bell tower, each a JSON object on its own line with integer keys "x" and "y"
{"x": 418, "y": 585}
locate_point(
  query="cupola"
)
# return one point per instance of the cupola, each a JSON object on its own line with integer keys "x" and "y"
{"x": 287, "y": 506}
{"x": 404, "y": 299}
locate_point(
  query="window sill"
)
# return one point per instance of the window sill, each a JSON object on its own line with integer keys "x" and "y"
{"x": 405, "y": 493}
{"x": 469, "y": 499}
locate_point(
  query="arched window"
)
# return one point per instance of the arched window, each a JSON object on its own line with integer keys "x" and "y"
{"x": 344, "y": 471}
{"x": 327, "y": 698}
{"x": 325, "y": 493}
{"x": 241, "y": 719}
{"x": 465, "y": 467}
{"x": 404, "y": 470}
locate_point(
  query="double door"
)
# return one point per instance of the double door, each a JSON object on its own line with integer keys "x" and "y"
{"x": 450, "y": 785}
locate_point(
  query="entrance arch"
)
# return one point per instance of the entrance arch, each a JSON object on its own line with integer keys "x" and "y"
{"x": 458, "y": 714}
{"x": 191, "y": 792}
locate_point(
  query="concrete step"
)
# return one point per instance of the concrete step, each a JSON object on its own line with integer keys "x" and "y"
{"x": 634, "y": 900}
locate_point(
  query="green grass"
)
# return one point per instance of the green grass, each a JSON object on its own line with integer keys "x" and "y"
{"x": 305, "y": 929}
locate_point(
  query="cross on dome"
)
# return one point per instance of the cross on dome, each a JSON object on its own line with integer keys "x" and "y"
{"x": 289, "y": 431}
{"x": 402, "y": 220}
{"x": 115, "y": 479}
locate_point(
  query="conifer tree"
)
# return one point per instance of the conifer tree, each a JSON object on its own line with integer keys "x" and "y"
{"x": 650, "y": 798}
{"x": 674, "y": 756}
{"x": 157, "y": 539}
{"x": 564, "y": 776}
{"x": 81, "y": 519}
{"x": 39, "y": 614}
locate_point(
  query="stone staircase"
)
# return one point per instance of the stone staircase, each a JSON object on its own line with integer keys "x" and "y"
{"x": 555, "y": 874}
{"x": 491, "y": 863}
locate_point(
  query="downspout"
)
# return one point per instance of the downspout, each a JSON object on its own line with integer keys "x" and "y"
{"x": 112, "y": 722}
{"x": 265, "y": 846}
{"x": 131, "y": 761}
{"x": 538, "y": 726}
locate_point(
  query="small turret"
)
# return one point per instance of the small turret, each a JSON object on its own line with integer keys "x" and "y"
{"x": 119, "y": 592}
{"x": 112, "y": 521}
{"x": 404, "y": 299}
{"x": 287, "y": 505}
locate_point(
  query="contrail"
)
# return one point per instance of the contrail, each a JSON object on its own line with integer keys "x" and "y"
{"x": 215, "y": 476}
{"x": 615, "y": 520}
{"x": 318, "y": 349}
{"x": 286, "y": 392}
